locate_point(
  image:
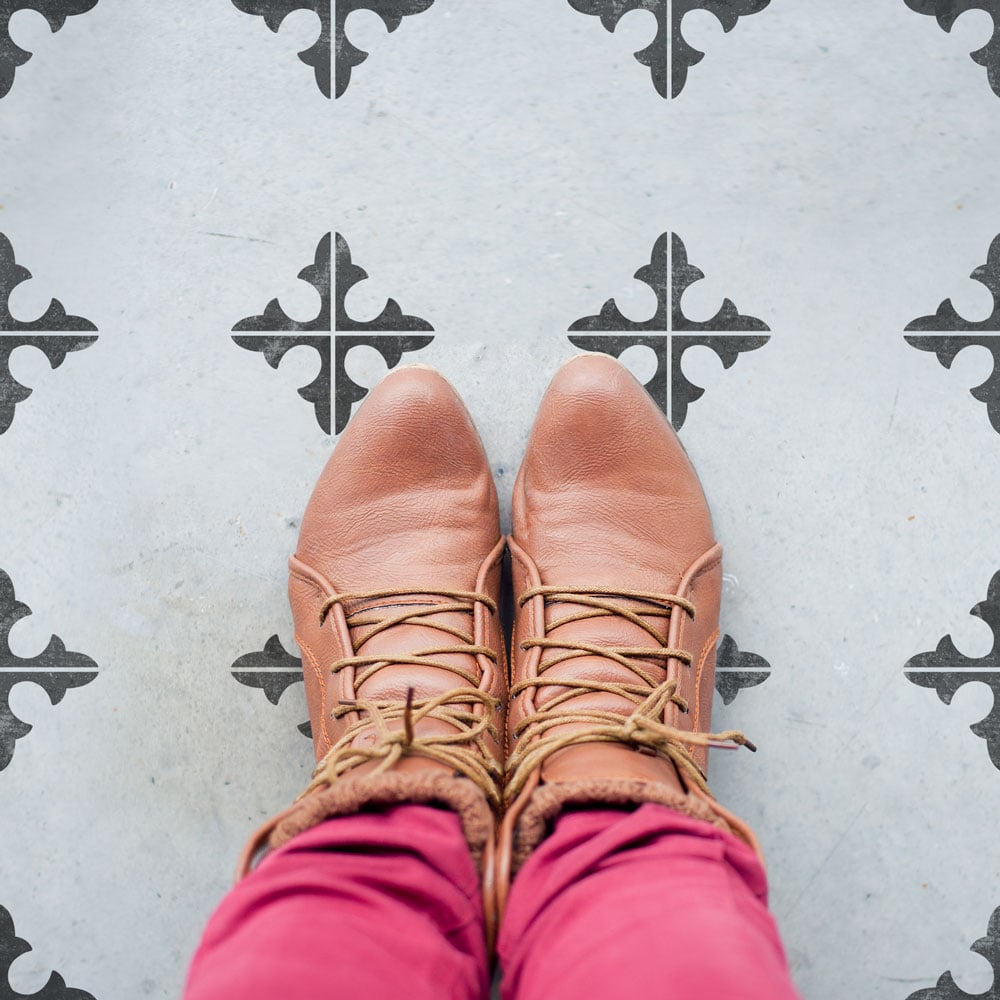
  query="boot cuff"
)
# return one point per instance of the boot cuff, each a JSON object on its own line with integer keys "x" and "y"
{"x": 548, "y": 801}
{"x": 366, "y": 794}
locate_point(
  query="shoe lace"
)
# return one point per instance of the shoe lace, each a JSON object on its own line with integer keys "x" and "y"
{"x": 644, "y": 726}
{"x": 464, "y": 749}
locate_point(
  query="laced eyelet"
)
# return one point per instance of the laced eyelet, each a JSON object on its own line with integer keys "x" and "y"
{"x": 645, "y": 730}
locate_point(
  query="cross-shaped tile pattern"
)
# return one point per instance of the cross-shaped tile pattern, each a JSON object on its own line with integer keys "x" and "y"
{"x": 989, "y": 947}
{"x": 55, "y": 669}
{"x": 11, "y": 54}
{"x": 12, "y": 947}
{"x": 39, "y": 333}
{"x": 332, "y": 333}
{"x": 947, "y": 13}
{"x": 333, "y": 43}
{"x": 953, "y": 333}
{"x": 669, "y": 55}
{"x": 945, "y": 669}
{"x": 668, "y": 331}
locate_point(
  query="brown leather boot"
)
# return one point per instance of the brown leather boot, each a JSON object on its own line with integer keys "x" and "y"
{"x": 394, "y": 591}
{"x": 617, "y": 578}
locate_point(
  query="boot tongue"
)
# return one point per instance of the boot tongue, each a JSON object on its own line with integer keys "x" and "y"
{"x": 588, "y": 761}
{"x": 392, "y": 681}
{"x": 607, "y": 631}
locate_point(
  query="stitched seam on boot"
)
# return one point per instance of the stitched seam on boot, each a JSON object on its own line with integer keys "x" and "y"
{"x": 528, "y": 608}
{"x": 707, "y": 568}
{"x": 308, "y": 654}
{"x": 706, "y": 650}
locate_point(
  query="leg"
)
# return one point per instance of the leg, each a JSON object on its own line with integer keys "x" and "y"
{"x": 394, "y": 588}
{"x": 374, "y": 905}
{"x": 640, "y": 903}
{"x": 631, "y": 879}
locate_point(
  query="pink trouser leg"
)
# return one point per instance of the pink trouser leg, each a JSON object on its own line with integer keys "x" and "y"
{"x": 377, "y": 906}
{"x": 617, "y": 904}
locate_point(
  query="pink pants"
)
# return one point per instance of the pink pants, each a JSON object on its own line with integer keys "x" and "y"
{"x": 386, "y": 905}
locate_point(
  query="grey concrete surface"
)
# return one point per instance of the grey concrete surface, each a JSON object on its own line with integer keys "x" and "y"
{"x": 500, "y": 170}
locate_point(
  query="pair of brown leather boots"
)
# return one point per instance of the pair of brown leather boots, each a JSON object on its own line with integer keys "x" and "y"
{"x": 395, "y": 592}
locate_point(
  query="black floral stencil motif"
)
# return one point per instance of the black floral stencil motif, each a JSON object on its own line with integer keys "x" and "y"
{"x": 54, "y": 669}
{"x": 954, "y": 334}
{"x": 669, "y": 56}
{"x": 947, "y": 13}
{"x": 668, "y": 331}
{"x": 735, "y": 670}
{"x": 989, "y": 948}
{"x": 13, "y": 947}
{"x": 333, "y": 350}
{"x": 274, "y": 670}
{"x": 333, "y": 38}
{"x": 36, "y": 333}
{"x": 54, "y": 11}
{"x": 945, "y": 670}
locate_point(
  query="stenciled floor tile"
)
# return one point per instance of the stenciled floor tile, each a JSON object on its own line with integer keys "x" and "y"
{"x": 952, "y": 333}
{"x": 989, "y": 947}
{"x": 820, "y": 151}
{"x": 736, "y": 670}
{"x": 332, "y": 334}
{"x": 54, "y": 11}
{"x": 333, "y": 45}
{"x": 11, "y": 948}
{"x": 274, "y": 670}
{"x": 669, "y": 56}
{"x": 947, "y": 13}
{"x": 668, "y": 331}
{"x": 39, "y": 333}
{"x": 55, "y": 669}
{"x": 945, "y": 670}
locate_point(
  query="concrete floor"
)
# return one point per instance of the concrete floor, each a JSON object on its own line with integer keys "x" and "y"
{"x": 501, "y": 171}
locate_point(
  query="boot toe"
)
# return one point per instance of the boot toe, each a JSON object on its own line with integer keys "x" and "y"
{"x": 407, "y": 487}
{"x": 605, "y": 480}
